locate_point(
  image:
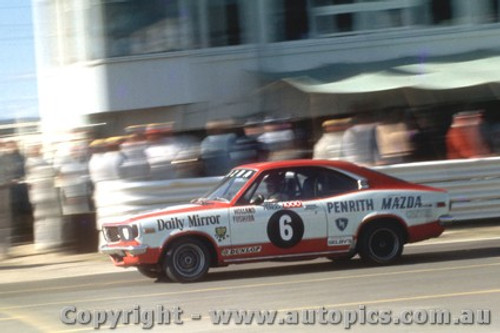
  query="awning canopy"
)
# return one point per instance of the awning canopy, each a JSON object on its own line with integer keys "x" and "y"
{"x": 426, "y": 76}
{"x": 413, "y": 82}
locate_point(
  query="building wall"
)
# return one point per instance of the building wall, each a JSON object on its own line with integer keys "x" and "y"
{"x": 203, "y": 82}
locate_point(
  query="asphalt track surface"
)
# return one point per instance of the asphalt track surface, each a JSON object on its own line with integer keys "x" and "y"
{"x": 458, "y": 273}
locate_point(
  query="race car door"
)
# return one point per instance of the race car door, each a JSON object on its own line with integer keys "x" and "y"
{"x": 284, "y": 227}
{"x": 345, "y": 206}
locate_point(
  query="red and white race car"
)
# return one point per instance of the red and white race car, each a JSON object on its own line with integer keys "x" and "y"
{"x": 281, "y": 210}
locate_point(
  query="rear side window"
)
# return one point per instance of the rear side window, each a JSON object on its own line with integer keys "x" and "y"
{"x": 331, "y": 182}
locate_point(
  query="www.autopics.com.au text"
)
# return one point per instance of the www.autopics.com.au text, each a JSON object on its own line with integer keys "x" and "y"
{"x": 161, "y": 315}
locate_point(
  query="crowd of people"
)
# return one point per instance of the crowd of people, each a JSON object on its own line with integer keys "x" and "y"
{"x": 398, "y": 138}
{"x": 156, "y": 152}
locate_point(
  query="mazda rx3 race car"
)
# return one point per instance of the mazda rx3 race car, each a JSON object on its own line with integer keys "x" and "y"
{"x": 281, "y": 211}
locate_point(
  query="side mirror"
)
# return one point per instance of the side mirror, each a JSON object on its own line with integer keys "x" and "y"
{"x": 259, "y": 199}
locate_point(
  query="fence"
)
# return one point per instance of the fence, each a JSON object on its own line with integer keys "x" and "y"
{"x": 473, "y": 184}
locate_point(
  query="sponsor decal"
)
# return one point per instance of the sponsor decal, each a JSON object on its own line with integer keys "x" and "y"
{"x": 271, "y": 206}
{"x": 285, "y": 229}
{"x": 402, "y": 202}
{"x": 339, "y": 241}
{"x": 170, "y": 224}
{"x": 243, "y": 218}
{"x": 350, "y": 206}
{"x": 192, "y": 221}
{"x": 341, "y": 223}
{"x": 244, "y": 211}
{"x": 242, "y": 173}
{"x": 292, "y": 204}
{"x": 241, "y": 250}
{"x": 221, "y": 233}
{"x": 242, "y": 215}
{"x": 311, "y": 207}
{"x": 200, "y": 221}
{"x": 419, "y": 213}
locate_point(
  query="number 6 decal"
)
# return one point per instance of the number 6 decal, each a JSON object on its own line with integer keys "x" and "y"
{"x": 285, "y": 229}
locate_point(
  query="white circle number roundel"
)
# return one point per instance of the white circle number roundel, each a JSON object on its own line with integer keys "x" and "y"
{"x": 285, "y": 229}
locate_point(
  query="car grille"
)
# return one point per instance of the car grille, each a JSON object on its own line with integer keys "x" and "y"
{"x": 111, "y": 234}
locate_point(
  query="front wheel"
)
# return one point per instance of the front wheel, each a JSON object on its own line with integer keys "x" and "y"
{"x": 187, "y": 260}
{"x": 381, "y": 243}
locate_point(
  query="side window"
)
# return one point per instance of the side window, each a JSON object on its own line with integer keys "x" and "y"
{"x": 274, "y": 186}
{"x": 333, "y": 183}
{"x": 322, "y": 182}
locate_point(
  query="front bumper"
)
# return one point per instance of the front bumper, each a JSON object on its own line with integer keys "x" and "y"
{"x": 446, "y": 220}
{"x": 121, "y": 251}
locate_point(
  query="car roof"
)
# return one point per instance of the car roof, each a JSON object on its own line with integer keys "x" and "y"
{"x": 376, "y": 179}
{"x": 347, "y": 166}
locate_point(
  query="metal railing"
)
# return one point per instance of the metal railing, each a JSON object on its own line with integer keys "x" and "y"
{"x": 473, "y": 184}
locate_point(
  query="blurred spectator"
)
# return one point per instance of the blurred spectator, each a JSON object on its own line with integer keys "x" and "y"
{"x": 464, "y": 139}
{"x": 359, "y": 143}
{"x": 106, "y": 159}
{"x": 112, "y": 159}
{"x": 161, "y": 151}
{"x": 247, "y": 148}
{"x": 34, "y": 159}
{"x": 44, "y": 197}
{"x": 135, "y": 164}
{"x": 494, "y": 137}
{"x": 73, "y": 180}
{"x": 279, "y": 140}
{"x": 21, "y": 210}
{"x": 217, "y": 146}
{"x": 105, "y": 168}
{"x": 187, "y": 161}
{"x": 97, "y": 150}
{"x": 394, "y": 139}
{"x": 329, "y": 146}
{"x": 75, "y": 193}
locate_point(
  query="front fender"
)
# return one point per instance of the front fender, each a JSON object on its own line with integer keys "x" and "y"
{"x": 207, "y": 238}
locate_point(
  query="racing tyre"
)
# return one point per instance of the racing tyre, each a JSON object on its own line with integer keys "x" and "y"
{"x": 381, "y": 243}
{"x": 152, "y": 272}
{"x": 187, "y": 260}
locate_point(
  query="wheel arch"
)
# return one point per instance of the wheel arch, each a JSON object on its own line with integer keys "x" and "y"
{"x": 200, "y": 236}
{"x": 386, "y": 218}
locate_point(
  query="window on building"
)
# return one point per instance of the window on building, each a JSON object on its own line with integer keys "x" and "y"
{"x": 288, "y": 20}
{"x": 133, "y": 27}
{"x": 494, "y": 9}
{"x": 224, "y": 22}
{"x": 296, "y": 20}
{"x": 441, "y": 11}
{"x": 495, "y": 14}
{"x": 141, "y": 27}
{"x": 331, "y": 17}
{"x": 487, "y": 11}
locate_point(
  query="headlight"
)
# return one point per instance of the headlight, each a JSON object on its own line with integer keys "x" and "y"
{"x": 128, "y": 233}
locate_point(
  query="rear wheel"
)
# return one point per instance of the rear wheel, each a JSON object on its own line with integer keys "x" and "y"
{"x": 187, "y": 260}
{"x": 381, "y": 243}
